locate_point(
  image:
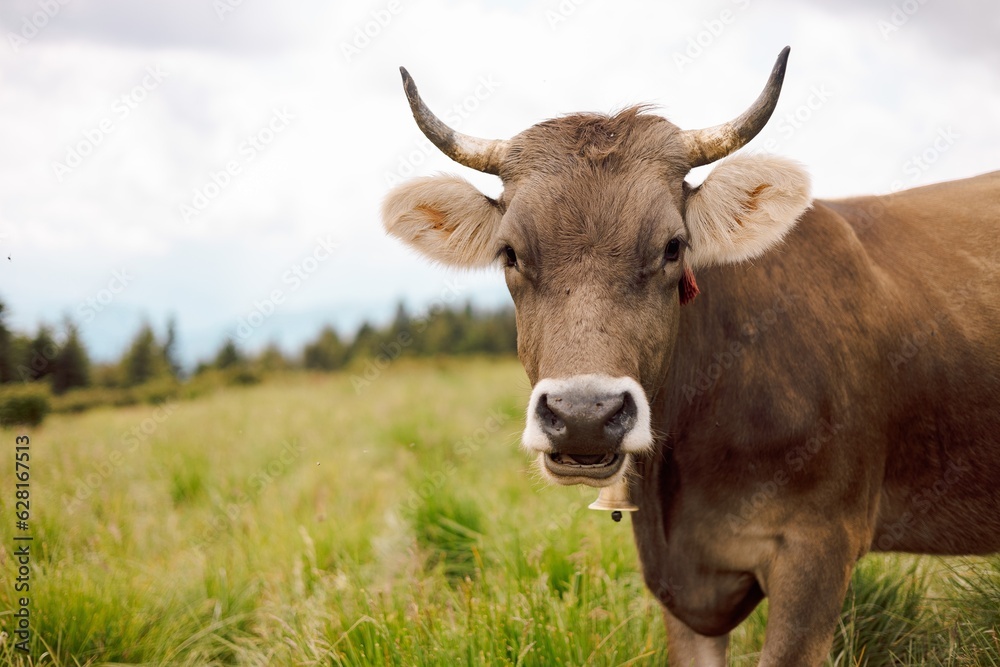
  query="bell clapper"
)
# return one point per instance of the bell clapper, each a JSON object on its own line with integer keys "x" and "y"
{"x": 614, "y": 498}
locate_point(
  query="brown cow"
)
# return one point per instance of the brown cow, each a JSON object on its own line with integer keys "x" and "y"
{"x": 838, "y": 394}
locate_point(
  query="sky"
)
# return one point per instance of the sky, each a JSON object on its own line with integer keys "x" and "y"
{"x": 222, "y": 162}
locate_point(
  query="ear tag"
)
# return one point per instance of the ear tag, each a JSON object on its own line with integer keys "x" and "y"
{"x": 687, "y": 287}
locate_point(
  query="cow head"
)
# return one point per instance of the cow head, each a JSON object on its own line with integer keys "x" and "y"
{"x": 599, "y": 235}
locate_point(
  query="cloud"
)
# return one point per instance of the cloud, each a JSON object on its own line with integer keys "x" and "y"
{"x": 238, "y": 26}
{"x": 964, "y": 28}
{"x": 856, "y": 108}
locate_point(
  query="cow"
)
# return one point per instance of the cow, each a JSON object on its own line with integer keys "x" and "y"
{"x": 782, "y": 384}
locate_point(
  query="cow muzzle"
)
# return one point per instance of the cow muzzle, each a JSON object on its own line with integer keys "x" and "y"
{"x": 586, "y": 428}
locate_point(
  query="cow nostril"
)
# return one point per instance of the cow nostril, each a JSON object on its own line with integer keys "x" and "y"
{"x": 585, "y": 423}
{"x": 551, "y": 423}
{"x": 624, "y": 419}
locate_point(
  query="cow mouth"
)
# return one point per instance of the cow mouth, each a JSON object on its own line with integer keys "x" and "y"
{"x": 583, "y": 468}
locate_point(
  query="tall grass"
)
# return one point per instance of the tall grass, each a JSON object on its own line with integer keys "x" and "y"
{"x": 299, "y": 522}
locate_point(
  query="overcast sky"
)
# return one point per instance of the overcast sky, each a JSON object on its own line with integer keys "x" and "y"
{"x": 224, "y": 160}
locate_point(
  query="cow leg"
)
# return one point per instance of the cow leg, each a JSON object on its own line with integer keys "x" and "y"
{"x": 686, "y": 648}
{"x": 806, "y": 586}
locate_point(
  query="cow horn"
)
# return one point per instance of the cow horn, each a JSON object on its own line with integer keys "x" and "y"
{"x": 481, "y": 154}
{"x": 713, "y": 143}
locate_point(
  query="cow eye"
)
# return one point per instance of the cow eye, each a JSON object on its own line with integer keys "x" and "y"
{"x": 673, "y": 250}
{"x": 509, "y": 256}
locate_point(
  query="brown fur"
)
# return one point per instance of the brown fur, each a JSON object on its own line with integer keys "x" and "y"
{"x": 827, "y": 432}
{"x": 839, "y": 394}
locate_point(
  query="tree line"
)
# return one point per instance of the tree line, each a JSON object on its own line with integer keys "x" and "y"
{"x": 61, "y": 362}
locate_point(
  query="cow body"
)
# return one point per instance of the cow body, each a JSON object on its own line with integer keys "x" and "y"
{"x": 834, "y": 389}
{"x": 841, "y": 392}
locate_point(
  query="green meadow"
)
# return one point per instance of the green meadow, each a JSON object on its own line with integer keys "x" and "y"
{"x": 310, "y": 521}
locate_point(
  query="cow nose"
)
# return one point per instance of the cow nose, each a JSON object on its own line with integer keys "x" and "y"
{"x": 586, "y": 424}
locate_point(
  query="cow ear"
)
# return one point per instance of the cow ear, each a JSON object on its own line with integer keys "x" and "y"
{"x": 444, "y": 217}
{"x": 745, "y": 206}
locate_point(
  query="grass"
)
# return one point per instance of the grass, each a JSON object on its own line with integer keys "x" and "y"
{"x": 298, "y": 522}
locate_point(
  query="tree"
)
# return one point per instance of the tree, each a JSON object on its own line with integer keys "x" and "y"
{"x": 20, "y": 356}
{"x": 326, "y": 353}
{"x": 71, "y": 367}
{"x": 144, "y": 359}
{"x": 228, "y": 355}
{"x": 36, "y": 362}
{"x": 108, "y": 375}
{"x": 401, "y": 323}
{"x": 365, "y": 343}
{"x": 272, "y": 359}
{"x": 445, "y": 333}
{"x": 170, "y": 348}
{"x": 7, "y": 362}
